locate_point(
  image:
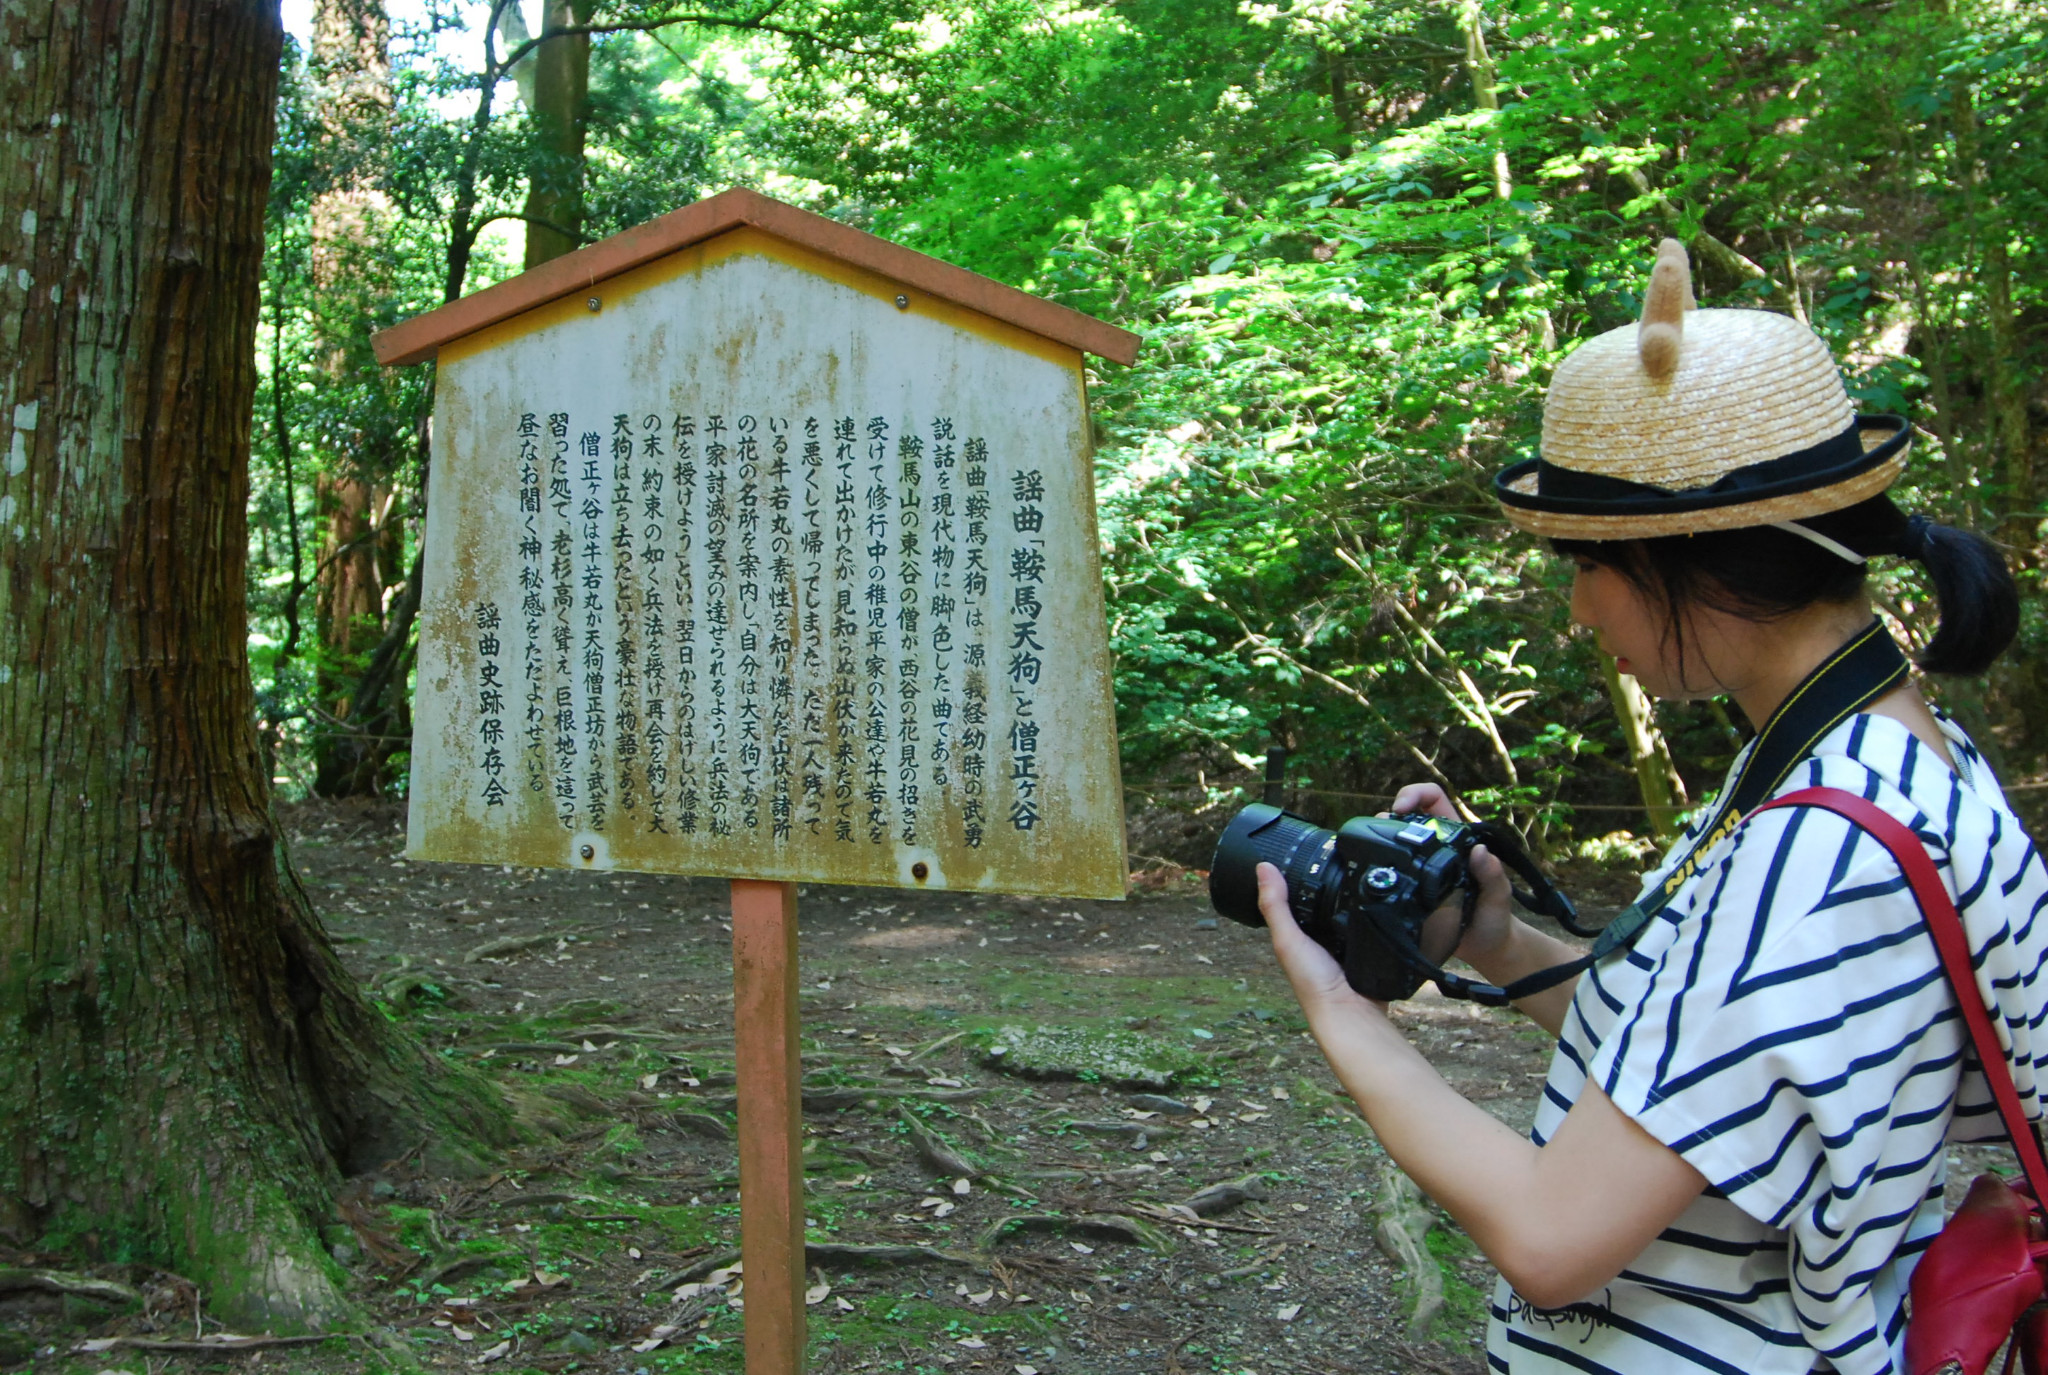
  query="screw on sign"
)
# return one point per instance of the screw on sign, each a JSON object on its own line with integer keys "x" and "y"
{"x": 784, "y": 582}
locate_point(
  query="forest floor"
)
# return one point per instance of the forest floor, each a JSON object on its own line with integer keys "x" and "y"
{"x": 1079, "y": 1240}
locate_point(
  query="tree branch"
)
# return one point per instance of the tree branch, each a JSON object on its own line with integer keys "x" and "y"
{"x": 759, "y": 22}
{"x": 540, "y": 220}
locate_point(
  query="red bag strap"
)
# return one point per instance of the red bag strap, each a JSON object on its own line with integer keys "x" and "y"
{"x": 1945, "y": 924}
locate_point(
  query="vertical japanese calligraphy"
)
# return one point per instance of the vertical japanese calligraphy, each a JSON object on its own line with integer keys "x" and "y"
{"x": 783, "y": 623}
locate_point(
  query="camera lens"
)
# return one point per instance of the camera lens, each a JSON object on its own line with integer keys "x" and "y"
{"x": 1300, "y": 850}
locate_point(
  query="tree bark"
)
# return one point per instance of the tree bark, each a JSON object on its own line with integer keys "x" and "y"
{"x": 351, "y": 67}
{"x": 1657, "y": 777}
{"x": 560, "y": 110}
{"x": 187, "y": 1069}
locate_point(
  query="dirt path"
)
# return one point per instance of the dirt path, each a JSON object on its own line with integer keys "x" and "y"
{"x": 602, "y": 1004}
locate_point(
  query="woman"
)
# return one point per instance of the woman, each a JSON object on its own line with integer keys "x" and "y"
{"x": 1739, "y": 1153}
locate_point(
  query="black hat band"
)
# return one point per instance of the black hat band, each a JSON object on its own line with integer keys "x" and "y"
{"x": 1566, "y": 491}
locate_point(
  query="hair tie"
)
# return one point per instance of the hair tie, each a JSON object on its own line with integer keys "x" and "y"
{"x": 1913, "y": 544}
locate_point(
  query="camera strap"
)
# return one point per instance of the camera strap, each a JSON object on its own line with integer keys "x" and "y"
{"x": 1861, "y": 671}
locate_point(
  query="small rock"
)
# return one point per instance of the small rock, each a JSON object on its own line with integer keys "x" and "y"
{"x": 1158, "y": 1102}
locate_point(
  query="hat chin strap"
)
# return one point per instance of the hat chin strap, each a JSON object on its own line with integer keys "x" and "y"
{"x": 1835, "y": 547}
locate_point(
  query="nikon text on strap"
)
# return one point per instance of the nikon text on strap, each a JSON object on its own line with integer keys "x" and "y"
{"x": 1850, "y": 679}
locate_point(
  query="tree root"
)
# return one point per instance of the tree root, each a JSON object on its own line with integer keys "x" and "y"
{"x": 226, "y": 1344}
{"x": 933, "y": 1152}
{"x": 830, "y": 1253}
{"x": 1104, "y": 1226}
{"x": 63, "y": 1282}
{"x": 1402, "y": 1233}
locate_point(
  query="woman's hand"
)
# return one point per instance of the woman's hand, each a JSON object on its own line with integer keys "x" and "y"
{"x": 1317, "y": 978}
{"x": 1493, "y": 917}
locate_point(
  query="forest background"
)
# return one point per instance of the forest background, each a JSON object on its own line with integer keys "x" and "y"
{"x": 1356, "y": 235}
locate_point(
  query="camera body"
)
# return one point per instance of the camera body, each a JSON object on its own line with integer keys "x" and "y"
{"x": 1365, "y": 892}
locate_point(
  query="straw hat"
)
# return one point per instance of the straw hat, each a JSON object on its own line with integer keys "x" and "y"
{"x": 1693, "y": 420}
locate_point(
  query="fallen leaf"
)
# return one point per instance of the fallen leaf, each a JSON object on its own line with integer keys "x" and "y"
{"x": 1203, "y": 959}
{"x": 896, "y": 1050}
{"x": 817, "y": 1293}
{"x": 633, "y": 1251}
{"x": 1082, "y": 1247}
{"x": 1288, "y": 1312}
{"x": 932, "y": 1202}
{"x": 943, "y": 1209}
{"x": 843, "y": 1305}
{"x": 962, "y": 1186}
{"x": 1282, "y": 1094}
{"x": 462, "y": 1334}
{"x": 972, "y": 1343}
{"x": 589, "y": 1045}
{"x": 648, "y": 1081}
{"x": 1201, "y": 1105}
{"x": 943, "y": 1082}
{"x": 497, "y": 1352}
{"x": 548, "y": 1281}
{"x": 1027, "y": 1370}
{"x": 658, "y": 1336}
{"x": 566, "y": 1059}
{"x": 983, "y": 1297}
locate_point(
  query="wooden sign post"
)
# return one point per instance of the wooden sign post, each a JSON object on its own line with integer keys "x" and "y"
{"x": 760, "y": 548}
{"x": 770, "y": 1073}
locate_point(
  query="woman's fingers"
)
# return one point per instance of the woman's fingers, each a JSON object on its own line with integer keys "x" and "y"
{"x": 1425, "y": 797}
{"x": 1273, "y": 899}
{"x": 1491, "y": 914}
{"x": 1312, "y": 970}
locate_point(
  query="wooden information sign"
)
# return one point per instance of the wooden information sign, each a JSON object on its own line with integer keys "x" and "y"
{"x": 760, "y": 548}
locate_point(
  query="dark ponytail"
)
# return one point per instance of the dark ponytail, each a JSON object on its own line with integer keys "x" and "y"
{"x": 1979, "y": 603}
{"x": 1762, "y": 573}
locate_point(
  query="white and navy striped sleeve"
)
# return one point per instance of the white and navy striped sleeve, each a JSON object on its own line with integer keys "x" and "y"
{"x": 1796, "y": 1042}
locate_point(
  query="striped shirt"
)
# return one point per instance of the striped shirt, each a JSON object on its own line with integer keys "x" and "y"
{"x": 1785, "y": 1026}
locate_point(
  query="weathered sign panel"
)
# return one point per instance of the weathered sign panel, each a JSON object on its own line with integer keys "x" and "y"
{"x": 749, "y": 563}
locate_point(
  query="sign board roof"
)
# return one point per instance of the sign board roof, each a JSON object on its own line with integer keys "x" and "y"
{"x": 420, "y": 338}
{"x": 746, "y": 562}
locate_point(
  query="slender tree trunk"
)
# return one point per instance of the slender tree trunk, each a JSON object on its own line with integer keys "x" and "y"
{"x": 1479, "y": 69}
{"x": 351, "y": 69}
{"x": 187, "y": 1069}
{"x": 1657, "y": 776}
{"x": 560, "y": 111}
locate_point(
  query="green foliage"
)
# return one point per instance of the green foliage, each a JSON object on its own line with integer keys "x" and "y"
{"x": 1356, "y": 236}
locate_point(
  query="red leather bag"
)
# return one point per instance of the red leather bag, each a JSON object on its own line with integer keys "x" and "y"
{"x": 1982, "y": 1280}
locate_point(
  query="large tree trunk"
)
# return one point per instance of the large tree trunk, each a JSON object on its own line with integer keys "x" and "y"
{"x": 186, "y": 1069}
{"x": 560, "y": 110}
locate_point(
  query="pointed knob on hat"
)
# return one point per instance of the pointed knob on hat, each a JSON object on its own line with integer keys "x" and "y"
{"x": 1662, "y": 329}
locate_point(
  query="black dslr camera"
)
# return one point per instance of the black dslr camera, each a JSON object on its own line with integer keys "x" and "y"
{"x": 1375, "y": 892}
